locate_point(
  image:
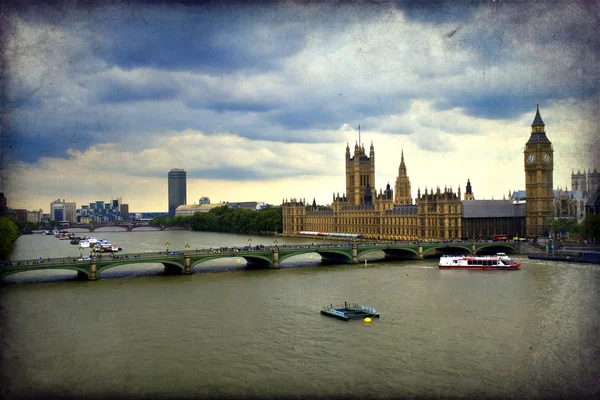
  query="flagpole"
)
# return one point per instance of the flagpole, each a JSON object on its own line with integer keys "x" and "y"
{"x": 359, "y": 146}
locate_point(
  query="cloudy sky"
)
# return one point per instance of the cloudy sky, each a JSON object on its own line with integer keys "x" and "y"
{"x": 258, "y": 101}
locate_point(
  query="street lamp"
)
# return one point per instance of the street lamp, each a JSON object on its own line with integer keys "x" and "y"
{"x": 250, "y": 242}
{"x": 187, "y": 248}
{"x": 275, "y": 242}
{"x": 167, "y": 244}
{"x": 80, "y": 251}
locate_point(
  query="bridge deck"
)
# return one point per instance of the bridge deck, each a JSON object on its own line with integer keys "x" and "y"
{"x": 269, "y": 256}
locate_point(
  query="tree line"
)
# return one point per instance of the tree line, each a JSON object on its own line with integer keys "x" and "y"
{"x": 230, "y": 220}
{"x": 9, "y": 233}
{"x": 589, "y": 229}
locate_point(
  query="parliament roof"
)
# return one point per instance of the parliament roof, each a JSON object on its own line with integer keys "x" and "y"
{"x": 492, "y": 209}
{"x": 406, "y": 209}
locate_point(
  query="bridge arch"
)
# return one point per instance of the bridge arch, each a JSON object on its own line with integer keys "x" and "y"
{"x": 110, "y": 228}
{"x": 145, "y": 228}
{"x": 333, "y": 254}
{"x": 260, "y": 260}
{"x": 362, "y": 252}
{"x": 197, "y": 261}
{"x": 432, "y": 249}
{"x": 4, "y": 272}
{"x": 336, "y": 254}
{"x": 496, "y": 247}
{"x": 172, "y": 264}
{"x": 397, "y": 252}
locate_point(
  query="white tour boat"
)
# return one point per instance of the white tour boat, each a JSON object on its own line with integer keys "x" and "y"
{"x": 499, "y": 261}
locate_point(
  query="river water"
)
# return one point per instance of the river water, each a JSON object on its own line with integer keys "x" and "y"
{"x": 228, "y": 331}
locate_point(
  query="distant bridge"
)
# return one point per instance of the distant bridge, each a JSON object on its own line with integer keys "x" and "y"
{"x": 123, "y": 227}
{"x": 269, "y": 257}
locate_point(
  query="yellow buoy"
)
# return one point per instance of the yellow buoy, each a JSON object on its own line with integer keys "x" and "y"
{"x": 367, "y": 320}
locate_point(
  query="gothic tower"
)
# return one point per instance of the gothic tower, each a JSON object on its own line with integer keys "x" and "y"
{"x": 469, "y": 191}
{"x": 360, "y": 173}
{"x": 402, "y": 189}
{"x": 578, "y": 181}
{"x": 539, "y": 166}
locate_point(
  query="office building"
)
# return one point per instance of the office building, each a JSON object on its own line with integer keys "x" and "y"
{"x": 177, "y": 190}
{"x": 62, "y": 211}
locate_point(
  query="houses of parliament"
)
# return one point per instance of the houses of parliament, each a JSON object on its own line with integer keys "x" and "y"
{"x": 436, "y": 214}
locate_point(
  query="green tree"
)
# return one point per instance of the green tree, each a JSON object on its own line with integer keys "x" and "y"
{"x": 561, "y": 226}
{"x": 158, "y": 221}
{"x": 591, "y": 227}
{"x": 224, "y": 219}
{"x": 8, "y": 236}
{"x": 576, "y": 230}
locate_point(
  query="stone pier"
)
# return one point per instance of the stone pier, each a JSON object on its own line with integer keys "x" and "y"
{"x": 93, "y": 269}
{"x": 188, "y": 265}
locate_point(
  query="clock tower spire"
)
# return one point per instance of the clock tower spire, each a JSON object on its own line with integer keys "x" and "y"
{"x": 539, "y": 166}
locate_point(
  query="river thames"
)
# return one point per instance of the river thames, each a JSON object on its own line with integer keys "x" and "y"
{"x": 229, "y": 331}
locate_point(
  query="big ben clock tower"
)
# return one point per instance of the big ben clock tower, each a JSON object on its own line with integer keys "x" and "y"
{"x": 539, "y": 166}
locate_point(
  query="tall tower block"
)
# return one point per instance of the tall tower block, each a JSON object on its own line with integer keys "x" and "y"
{"x": 539, "y": 166}
{"x": 360, "y": 173}
{"x": 177, "y": 190}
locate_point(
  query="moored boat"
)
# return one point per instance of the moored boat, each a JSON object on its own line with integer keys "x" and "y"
{"x": 499, "y": 261}
{"x": 108, "y": 248}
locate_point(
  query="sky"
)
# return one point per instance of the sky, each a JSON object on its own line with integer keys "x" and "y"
{"x": 257, "y": 101}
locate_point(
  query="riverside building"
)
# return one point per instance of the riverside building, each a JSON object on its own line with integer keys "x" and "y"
{"x": 436, "y": 214}
{"x": 62, "y": 211}
{"x": 177, "y": 190}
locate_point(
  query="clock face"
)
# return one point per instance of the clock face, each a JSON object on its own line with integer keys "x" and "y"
{"x": 546, "y": 157}
{"x": 530, "y": 158}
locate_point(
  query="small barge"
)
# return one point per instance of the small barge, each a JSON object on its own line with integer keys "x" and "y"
{"x": 591, "y": 257}
{"x": 349, "y": 311}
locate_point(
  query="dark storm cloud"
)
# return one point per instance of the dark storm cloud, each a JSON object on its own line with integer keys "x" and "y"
{"x": 124, "y": 93}
{"x": 226, "y": 105}
{"x": 210, "y": 38}
{"x": 492, "y": 106}
{"x": 556, "y": 40}
{"x": 30, "y": 148}
{"x": 104, "y": 97}
{"x": 439, "y": 11}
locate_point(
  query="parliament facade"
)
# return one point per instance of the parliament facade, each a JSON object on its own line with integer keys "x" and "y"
{"x": 436, "y": 215}
{"x": 361, "y": 210}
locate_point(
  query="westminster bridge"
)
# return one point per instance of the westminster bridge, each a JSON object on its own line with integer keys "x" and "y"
{"x": 263, "y": 257}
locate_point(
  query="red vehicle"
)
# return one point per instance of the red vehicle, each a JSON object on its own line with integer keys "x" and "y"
{"x": 500, "y": 238}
